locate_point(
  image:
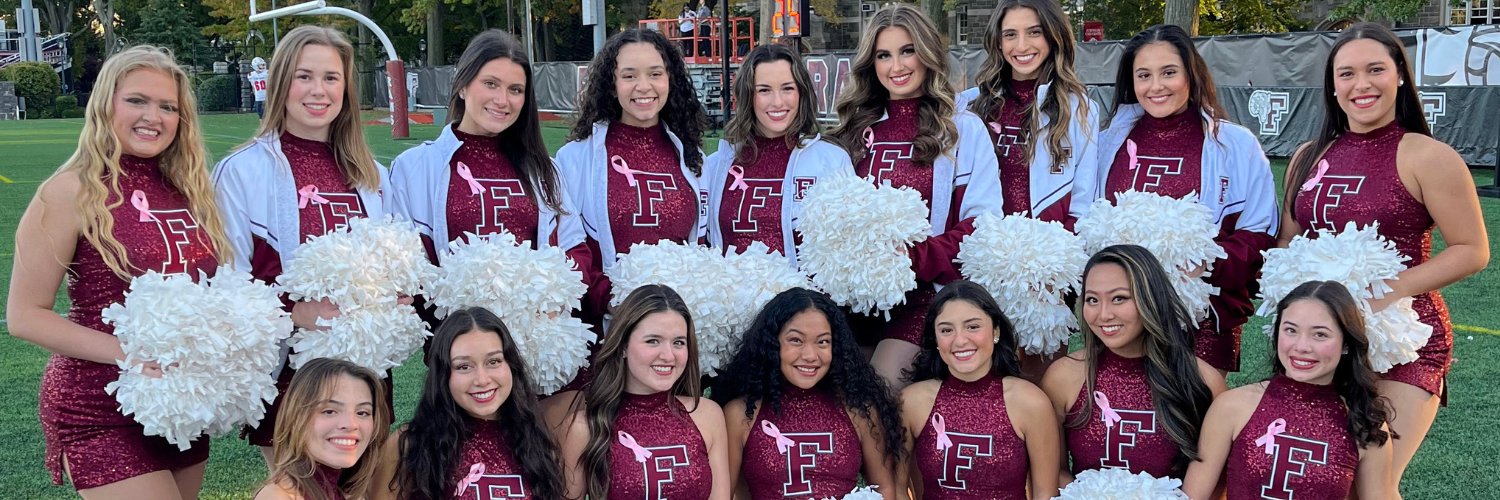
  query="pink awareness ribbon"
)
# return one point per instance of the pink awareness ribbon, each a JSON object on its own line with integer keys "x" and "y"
{"x": 999, "y": 129}
{"x": 738, "y": 173}
{"x": 309, "y": 192}
{"x": 1107, "y": 414}
{"x": 1130, "y": 153}
{"x": 641, "y": 453}
{"x": 468, "y": 175}
{"x": 618, "y": 163}
{"x": 941, "y": 427}
{"x": 1268, "y": 440}
{"x": 138, "y": 200}
{"x": 869, "y": 138}
{"x": 476, "y": 472}
{"x": 783, "y": 443}
{"x": 1317, "y": 176}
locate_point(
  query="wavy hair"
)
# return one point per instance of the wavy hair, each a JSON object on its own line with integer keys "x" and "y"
{"x": 434, "y": 438}
{"x": 601, "y": 399}
{"x": 96, "y": 162}
{"x": 292, "y": 464}
{"x": 521, "y": 143}
{"x": 1353, "y": 378}
{"x": 683, "y": 114}
{"x": 1335, "y": 123}
{"x": 995, "y": 76}
{"x": 850, "y": 378}
{"x": 741, "y": 131}
{"x": 1004, "y": 362}
{"x": 1201, "y": 93}
{"x": 345, "y": 135}
{"x": 864, "y": 99}
{"x": 1178, "y": 393}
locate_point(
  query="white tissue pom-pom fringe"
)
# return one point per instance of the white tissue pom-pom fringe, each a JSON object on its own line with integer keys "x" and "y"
{"x": 755, "y": 276}
{"x": 216, "y": 341}
{"x": 1179, "y": 232}
{"x": 1120, "y": 484}
{"x": 554, "y": 347}
{"x": 699, "y": 275}
{"x": 1019, "y": 259}
{"x": 855, "y": 238}
{"x": 368, "y": 261}
{"x": 507, "y": 278}
{"x": 861, "y": 493}
{"x": 378, "y": 337}
{"x": 1362, "y": 261}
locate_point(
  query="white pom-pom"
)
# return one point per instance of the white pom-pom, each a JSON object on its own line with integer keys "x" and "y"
{"x": 1120, "y": 484}
{"x": 754, "y": 277}
{"x": 1362, "y": 261}
{"x": 377, "y": 336}
{"x": 507, "y": 278}
{"x": 1028, "y": 265}
{"x": 554, "y": 347}
{"x": 367, "y": 262}
{"x": 855, "y": 238}
{"x": 216, "y": 341}
{"x": 1179, "y": 232}
{"x": 861, "y": 493}
{"x": 699, "y": 275}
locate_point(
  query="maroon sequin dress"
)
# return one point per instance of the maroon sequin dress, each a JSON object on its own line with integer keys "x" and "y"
{"x": 503, "y": 201}
{"x": 1170, "y": 163}
{"x": 1363, "y": 186}
{"x": 890, "y": 159}
{"x": 678, "y": 463}
{"x": 1136, "y": 441}
{"x": 314, "y": 169}
{"x": 489, "y": 464}
{"x": 824, "y": 459}
{"x": 78, "y": 418}
{"x": 751, "y": 210}
{"x": 987, "y": 459}
{"x": 1312, "y": 456}
{"x": 1010, "y": 130}
{"x": 328, "y": 480}
{"x": 661, "y": 205}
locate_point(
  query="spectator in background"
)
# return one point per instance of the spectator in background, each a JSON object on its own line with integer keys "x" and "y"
{"x": 685, "y": 22}
{"x": 258, "y": 76}
{"x": 705, "y": 26}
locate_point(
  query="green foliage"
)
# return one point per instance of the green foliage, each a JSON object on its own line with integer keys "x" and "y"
{"x": 1390, "y": 10}
{"x": 220, "y": 93}
{"x": 37, "y": 83}
{"x": 170, "y": 26}
{"x": 66, "y": 106}
{"x": 1124, "y": 18}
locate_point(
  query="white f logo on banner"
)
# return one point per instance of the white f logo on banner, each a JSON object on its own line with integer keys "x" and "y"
{"x": 1269, "y": 107}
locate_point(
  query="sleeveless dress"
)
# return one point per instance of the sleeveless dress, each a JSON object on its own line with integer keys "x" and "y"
{"x": 487, "y": 467}
{"x": 982, "y": 457}
{"x": 1136, "y": 441}
{"x": 657, "y": 452}
{"x": 1296, "y": 444}
{"x": 822, "y": 458}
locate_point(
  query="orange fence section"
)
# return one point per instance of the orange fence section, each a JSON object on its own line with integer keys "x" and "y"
{"x": 703, "y": 44}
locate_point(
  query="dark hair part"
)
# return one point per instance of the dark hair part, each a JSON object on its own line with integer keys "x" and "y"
{"x": 741, "y": 130}
{"x": 683, "y": 114}
{"x": 521, "y": 143}
{"x": 601, "y": 398}
{"x": 293, "y": 466}
{"x": 864, "y": 100}
{"x": 1004, "y": 362}
{"x": 1057, "y": 70}
{"x": 1335, "y": 123}
{"x": 1202, "y": 97}
{"x": 433, "y": 440}
{"x": 758, "y": 378}
{"x": 1180, "y": 396}
{"x": 1353, "y": 378}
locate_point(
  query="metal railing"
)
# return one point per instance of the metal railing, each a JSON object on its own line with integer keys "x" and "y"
{"x": 704, "y": 44}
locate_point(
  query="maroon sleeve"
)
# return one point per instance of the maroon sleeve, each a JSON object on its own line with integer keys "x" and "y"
{"x": 586, "y": 256}
{"x": 431, "y": 249}
{"x": 933, "y": 259}
{"x": 1237, "y": 276}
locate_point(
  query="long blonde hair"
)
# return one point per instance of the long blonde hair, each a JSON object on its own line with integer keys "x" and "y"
{"x": 184, "y": 163}
{"x": 293, "y": 465}
{"x": 350, "y": 150}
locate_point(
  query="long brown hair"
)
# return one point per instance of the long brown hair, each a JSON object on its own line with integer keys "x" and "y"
{"x": 1202, "y": 97}
{"x": 602, "y": 397}
{"x": 96, "y": 162}
{"x": 1057, "y": 70}
{"x": 292, "y": 465}
{"x": 345, "y": 134}
{"x": 864, "y": 99}
{"x": 740, "y": 131}
{"x": 1353, "y": 378}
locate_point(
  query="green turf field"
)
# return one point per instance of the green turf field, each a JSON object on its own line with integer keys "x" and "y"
{"x": 1455, "y": 462}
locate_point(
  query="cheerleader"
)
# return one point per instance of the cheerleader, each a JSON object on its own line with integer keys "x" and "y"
{"x": 1171, "y": 137}
{"x": 1375, "y": 161}
{"x": 1134, "y": 397}
{"x": 806, "y": 414}
{"x": 478, "y": 426}
{"x": 635, "y": 154}
{"x": 1316, "y": 429}
{"x": 898, "y": 122}
{"x": 306, "y": 172}
{"x": 328, "y": 434}
{"x": 134, "y": 197}
{"x": 769, "y": 156}
{"x": 640, "y": 428}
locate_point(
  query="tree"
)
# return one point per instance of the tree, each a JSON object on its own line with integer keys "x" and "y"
{"x": 1183, "y": 13}
{"x": 1125, "y": 18}
{"x": 1390, "y": 10}
{"x": 104, "y": 10}
{"x": 169, "y": 26}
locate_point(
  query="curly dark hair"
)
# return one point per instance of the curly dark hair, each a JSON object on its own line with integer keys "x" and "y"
{"x": 437, "y": 431}
{"x": 683, "y": 114}
{"x": 1004, "y": 362}
{"x": 758, "y": 378}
